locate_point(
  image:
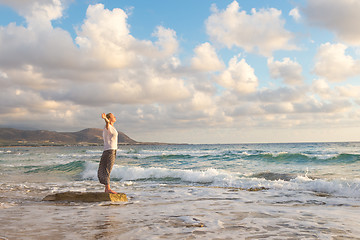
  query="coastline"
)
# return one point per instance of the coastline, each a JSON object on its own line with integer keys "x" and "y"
{"x": 11, "y": 137}
{"x": 85, "y": 144}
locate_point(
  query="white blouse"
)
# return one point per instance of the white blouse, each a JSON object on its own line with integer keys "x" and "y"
{"x": 110, "y": 138}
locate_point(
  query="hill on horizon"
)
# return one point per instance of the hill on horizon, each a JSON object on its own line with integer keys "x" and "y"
{"x": 88, "y": 136}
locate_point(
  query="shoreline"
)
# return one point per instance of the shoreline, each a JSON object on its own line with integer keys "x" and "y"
{"x": 88, "y": 145}
{"x": 154, "y": 144}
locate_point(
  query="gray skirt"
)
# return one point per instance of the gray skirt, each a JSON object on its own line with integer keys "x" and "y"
{"x": 106, "y": 164}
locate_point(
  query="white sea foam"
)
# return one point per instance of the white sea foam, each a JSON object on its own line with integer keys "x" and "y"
{"x": 5, "y": 151}
{"x": 276, "y": 154}
{"x": 78, "y": 155}
{"x": 137, "y": 173}
{"x": 222, "y": 178}
{"x": 146, "y": 153}
{"x": 340, "y": 187}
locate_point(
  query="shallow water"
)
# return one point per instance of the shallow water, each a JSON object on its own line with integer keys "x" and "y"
{"x": 309, "y": 191}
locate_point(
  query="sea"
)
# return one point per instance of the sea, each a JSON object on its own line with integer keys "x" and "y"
{"x": 235, "y": 191}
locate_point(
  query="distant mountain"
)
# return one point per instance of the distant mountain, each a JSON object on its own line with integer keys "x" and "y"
{"x": 89, "y": 136}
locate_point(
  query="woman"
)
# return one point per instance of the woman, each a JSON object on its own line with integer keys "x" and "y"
{"x": 107, "y": 161}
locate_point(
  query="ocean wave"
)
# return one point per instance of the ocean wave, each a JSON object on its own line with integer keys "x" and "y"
{"x": 126, "y": 173}
{"x": 336, "y": 187}
{"x": 90, "y": 155}
{"x": 71, "y": 167}
{"x": 222, "y": 178}
{"x": 303, "y": 158}
{"x": 251, "y": 155}
{"x": 165, "y": 154}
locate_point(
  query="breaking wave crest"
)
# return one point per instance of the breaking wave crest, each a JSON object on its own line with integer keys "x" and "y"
{"x": 280, "y": 157}
{"x": 222, "y": 178}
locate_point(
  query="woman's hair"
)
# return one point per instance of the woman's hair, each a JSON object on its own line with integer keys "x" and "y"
{"x": 108, "y": 117}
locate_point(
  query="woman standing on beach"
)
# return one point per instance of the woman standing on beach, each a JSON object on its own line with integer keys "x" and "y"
{"x": 107, "y": 161}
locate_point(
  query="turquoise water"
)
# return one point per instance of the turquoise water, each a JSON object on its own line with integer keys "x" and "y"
{"x": 308, "y": 191}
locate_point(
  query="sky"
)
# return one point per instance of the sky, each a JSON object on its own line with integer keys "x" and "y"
{"x": 184, "y": 71}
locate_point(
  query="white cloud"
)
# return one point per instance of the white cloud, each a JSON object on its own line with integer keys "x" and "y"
{"x": 349, "y": 91}
{"x": 341, "y": 17}
{"x": 106, "y": 38}
{"x": 84, "y": 74}
{"x": 28, "y": 103}
{"x": 288, "y": 70}
{"x": 30, "y": 77}
{"x": 262, "y": 31}
{"x": 144, "y": 82}
{"x": 167, "y": 43}
{"x": 333, "y": 64}
{"x": 282, "y": 94}
{"x": 239, "y": 77}
{"x": 38, "y": 47}
{"x": 140, "y": 86}
{"x": 3, "y": 75}
{"x": 66, "y": 82}
{"x": 295, "y": 14}
{"x": 204, "y": 102}
{"x": 39, "y": 13}
{"x": 285, "y": 107}
{"x": 325, "y": 107}
{"x": 322, "y": 88}
{"x": 206, "y": 59}
{"x": 335, "y": 93}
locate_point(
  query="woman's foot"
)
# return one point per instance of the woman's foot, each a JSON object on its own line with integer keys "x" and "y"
{"x": 108, "y": 190}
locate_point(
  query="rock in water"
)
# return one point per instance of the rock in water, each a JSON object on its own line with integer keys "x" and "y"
{"x": 86, "y": 197}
